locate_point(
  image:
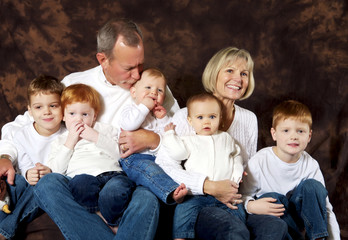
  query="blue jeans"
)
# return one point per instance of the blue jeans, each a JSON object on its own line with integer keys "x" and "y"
{"x": 139, "y": 220}
{"x": 216, "y": 223}
{"x": 142, "y": 169}
{"x": 22, "y": 205}
{"x": 186, "y": 214}
{"x": 305, "y": 207}
{"x": 265, "y": 227}
{"x": 109, "y": 193}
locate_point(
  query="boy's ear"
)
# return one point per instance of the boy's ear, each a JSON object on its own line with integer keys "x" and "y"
{"x": 189, "y": 120}
{"x": 310, "y": 136}
{"x": 29, "y": 110}
{"x": 273, "y": 134}
{"x": 132, "y": 92}
{"x": 102, "y": 59}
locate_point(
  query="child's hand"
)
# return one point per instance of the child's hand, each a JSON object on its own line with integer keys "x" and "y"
{"x": 149, "y": 103}
{"x": 33, "y": 176}
{"x": 159, "y": 111}
{"x": 89, "y": 134}
{"x": 74, "y": 135}
{"x": 169, "y": 126}
{"x": 266, "y": 206}
{"x": 42, "y": 169}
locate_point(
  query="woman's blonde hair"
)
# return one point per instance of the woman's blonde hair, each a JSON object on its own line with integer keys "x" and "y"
{"x": 221, "y": 59}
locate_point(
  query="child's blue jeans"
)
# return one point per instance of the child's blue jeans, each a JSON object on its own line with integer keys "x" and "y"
{"x": 109, "y": 192}
{"x": 142, "y": 169}
{"x": 186, "y": 214}
{"x": 305, "y": 208}
{"x": 22, "y": 205}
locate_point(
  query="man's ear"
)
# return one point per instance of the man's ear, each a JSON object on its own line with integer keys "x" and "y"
{"x": 273, "y": 134}
{"x": 102, "y": 59}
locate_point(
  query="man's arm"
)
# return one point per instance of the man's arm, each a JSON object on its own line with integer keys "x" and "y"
{"x": 136, "y": 141}
{"x": 6, "y": 168}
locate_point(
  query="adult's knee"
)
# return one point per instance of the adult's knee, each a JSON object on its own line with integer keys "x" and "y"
{"x": 50, "y": 183}
{"x": 264, "y": 227}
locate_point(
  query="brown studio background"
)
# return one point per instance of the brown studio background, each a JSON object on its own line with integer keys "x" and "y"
{"x": 299, "y": 49}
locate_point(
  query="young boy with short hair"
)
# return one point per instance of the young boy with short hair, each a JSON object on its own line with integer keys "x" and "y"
{"x": 88, "y": 154}
{"x": 285, "y": 181}
{"x": 148, "y": 113}
{"x": 33, "y": 145}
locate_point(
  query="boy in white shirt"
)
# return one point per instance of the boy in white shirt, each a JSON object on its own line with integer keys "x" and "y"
{"x": 285, "y": 181}
{"x": 88, "y": 154}
{"x": 210, "y": 152}
{"x": 148, "y": 113}
{"x": 33, "y": 144}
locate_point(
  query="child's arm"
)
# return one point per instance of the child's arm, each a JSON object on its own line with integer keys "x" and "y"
{"x": 107, "y": 139}
{"x": 59, "y": 156}
{"x": 173, "y": 144}
{"x": 132, "y": 116}
{"x": 74, "y": 135}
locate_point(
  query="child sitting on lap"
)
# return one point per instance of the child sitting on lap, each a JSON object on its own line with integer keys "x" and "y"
{"x": 210, "y": 152}
{"x": 148, "y": 113}
{"x": 88, "y": 153}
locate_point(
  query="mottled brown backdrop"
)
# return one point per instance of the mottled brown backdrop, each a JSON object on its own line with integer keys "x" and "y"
{"x": 299, "y": 48}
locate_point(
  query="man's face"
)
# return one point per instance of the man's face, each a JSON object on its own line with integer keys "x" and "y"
{"x": 125, "y": 65}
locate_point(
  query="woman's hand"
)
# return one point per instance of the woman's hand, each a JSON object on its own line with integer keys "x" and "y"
{"x": 266, "y": 206}
{"x": 225, "y": 191}
{"x": 135, "y": 141}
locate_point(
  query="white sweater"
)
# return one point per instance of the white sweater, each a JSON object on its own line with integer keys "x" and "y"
{"x": 243, "y": 129}
{"x": 216, "y": 156}
{"x": 32, "y": 147}
{"x": 267, "y": 173}
{"x": 86, "y": 157}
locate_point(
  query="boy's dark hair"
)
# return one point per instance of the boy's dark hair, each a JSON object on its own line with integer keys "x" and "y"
{"x": 291, "y": 109}
{"x": 44, "y": 84}
{"x": 201, "y": 98}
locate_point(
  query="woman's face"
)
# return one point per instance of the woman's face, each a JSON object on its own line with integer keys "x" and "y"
{"x": 232, "y": 80}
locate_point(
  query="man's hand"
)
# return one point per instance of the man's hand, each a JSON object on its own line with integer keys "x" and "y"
{"x": 135, "y": 141}
{"x": 6, "y": 169}
{"x": 225, "y": 191}
{"x": 266, "y": 206}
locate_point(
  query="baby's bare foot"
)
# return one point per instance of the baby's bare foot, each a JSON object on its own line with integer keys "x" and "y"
{"x": 180, "y": 193}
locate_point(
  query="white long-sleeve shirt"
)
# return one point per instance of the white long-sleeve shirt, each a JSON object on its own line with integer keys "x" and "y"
{"x": 113, "y": 96}
{"x": 217, "y": 156}
{"x": 135, "y": 116}
{"x": 32, "y": 147}
{"x": 267, "y": 173}
{"x": 243, "y": 129}
{"x": 86, "y": 157}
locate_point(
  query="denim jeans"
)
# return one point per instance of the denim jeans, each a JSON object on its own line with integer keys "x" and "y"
{"x": 265, "y": 227}
{"x": 142, "y": 169}
{"x": 22, "y": 205}
{"x": 109, "y": 193}
{"x": 139, "y": 220}
{"x": 186, "y": 214}
{"x": 305, "y": 207}
{"x": 216, "y": 223}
